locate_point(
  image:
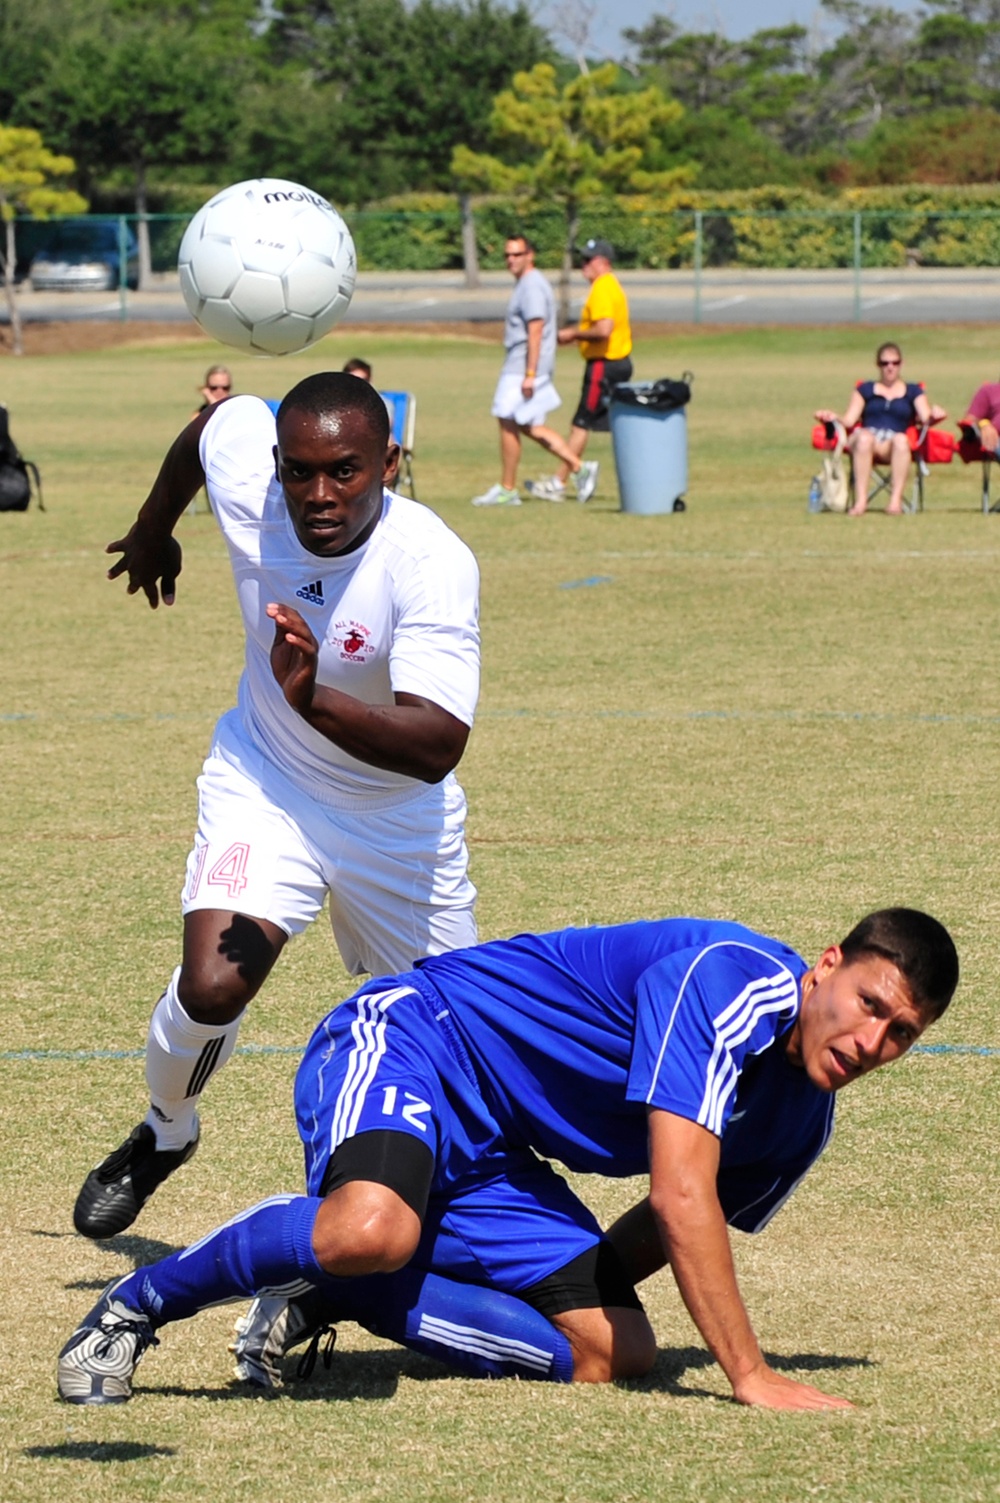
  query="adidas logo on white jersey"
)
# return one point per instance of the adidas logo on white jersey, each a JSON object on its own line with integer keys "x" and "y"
{"x": 312, "y": 592}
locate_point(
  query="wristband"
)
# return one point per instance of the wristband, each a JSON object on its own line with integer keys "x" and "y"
{"x": 529, "y": 374}
{"x": 983, "y": 423}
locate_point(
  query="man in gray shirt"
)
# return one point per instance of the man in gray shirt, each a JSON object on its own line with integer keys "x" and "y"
{"x": 525, "y": 394}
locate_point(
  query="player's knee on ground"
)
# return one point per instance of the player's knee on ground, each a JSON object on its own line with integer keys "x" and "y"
{"x": 608, "y": 1344}
{"x": 364, "y": 1228}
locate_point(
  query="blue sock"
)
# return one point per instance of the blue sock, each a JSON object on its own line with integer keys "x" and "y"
{"x": 268, "y": 1249}
{"x": 481, "y": 1332}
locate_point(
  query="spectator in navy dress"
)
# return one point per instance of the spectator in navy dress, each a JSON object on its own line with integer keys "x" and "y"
{"x": 880, "y": 412}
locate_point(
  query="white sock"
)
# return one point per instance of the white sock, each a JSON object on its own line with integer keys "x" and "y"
{"x": 181, "y": 1057}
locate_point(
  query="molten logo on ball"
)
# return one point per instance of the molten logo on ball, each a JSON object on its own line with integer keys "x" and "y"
{"x": 267, "y": 265}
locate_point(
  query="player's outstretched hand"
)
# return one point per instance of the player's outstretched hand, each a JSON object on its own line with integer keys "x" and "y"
{"x": 771, "y": 1390}
{"x": 294, "y": 654}
{"x": 152, "y": 561}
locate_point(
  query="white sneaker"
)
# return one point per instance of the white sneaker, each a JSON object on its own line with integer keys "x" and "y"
{"x": 585, "y": 479}
{"x": 497, "y": 495}
{"x": 272, "y": 1326}
{"x": 549, "y": 489}
{"x": 98, "y": 1361}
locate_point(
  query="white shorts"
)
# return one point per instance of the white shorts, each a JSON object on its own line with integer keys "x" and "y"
{"x": 397, "y": 876}
{"x": 508, "y": 401}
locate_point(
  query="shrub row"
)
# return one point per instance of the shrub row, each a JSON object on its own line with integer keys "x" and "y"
{"x": 761, "y": 227}
{"x": 766, "y": 227}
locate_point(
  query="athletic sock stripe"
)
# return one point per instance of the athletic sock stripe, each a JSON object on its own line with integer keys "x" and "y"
{"x": 476, "y": 1349}
{"x": 207, "y": 1060}
{"x": 483, "y": 1343}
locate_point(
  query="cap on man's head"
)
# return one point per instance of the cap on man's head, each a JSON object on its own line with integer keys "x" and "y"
{"x": 592, "y": 248}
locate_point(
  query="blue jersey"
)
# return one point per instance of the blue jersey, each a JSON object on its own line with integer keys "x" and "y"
{"x": 572, "y": 1035}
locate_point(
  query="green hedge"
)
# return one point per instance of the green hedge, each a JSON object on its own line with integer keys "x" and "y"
{"x": 761, "y": 227}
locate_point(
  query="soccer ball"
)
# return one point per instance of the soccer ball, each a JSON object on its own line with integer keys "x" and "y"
{"x": 267, "y": 265}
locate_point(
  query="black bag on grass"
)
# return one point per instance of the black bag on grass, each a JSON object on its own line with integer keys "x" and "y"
{"x": 16, "y": 474}
{"x": 664, "y": 395}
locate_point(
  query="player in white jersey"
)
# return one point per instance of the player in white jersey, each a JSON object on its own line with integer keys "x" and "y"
{"x": 335, "y": 773}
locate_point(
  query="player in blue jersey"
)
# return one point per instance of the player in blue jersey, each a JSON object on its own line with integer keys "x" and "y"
{"x": 700, "y": 1052}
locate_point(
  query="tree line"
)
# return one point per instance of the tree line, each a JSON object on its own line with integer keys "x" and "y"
{"x": 157, "y": 101}
{"x": 150, "y": 105}
{"x": 878, "y": 96}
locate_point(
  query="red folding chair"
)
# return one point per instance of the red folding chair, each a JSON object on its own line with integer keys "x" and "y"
{"x": 928, "y": 445}
{"x": 971, "y": 452}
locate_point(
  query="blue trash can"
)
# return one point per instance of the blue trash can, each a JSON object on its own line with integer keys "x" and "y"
{"x": 649, "y": 436}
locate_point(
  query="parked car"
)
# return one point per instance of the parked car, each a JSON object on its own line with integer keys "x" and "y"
{"x": 84, "y": 256}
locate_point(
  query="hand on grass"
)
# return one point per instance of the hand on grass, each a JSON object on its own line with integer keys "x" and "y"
{"x": 770, "y": 1390}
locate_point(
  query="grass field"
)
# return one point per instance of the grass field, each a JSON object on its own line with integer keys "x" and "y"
{"x": 744, "y": 711}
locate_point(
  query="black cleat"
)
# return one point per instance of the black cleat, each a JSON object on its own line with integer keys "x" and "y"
{"x": 115, "y": 1192}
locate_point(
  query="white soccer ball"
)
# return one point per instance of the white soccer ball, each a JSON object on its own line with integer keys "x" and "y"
{"x": 267, "y": 265}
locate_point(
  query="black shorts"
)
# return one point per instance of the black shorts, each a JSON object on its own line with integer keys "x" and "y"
{"x": 599, "y": 376}
{"x": 596, "y": 1280}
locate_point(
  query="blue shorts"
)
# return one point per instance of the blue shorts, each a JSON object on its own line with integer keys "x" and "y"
{"x": 386, "y": 1059}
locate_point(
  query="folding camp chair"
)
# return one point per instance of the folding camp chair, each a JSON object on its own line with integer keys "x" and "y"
{"x": 927, "y": 446}
{"x": 971, "y": 450}
{"x": 402, "y": 407}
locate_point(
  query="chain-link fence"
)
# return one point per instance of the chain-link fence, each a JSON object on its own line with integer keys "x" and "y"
{"x": 691, "y": 240}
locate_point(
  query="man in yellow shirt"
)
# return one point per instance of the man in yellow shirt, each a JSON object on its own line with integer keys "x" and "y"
{"x": 605, "y": 339}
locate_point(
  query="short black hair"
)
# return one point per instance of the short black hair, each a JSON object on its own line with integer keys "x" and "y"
{"x": 918, "y": 946}
{"x": 528, "y": 244}
{"x": 335, "y": 391}
{"x": 353, "y": 366}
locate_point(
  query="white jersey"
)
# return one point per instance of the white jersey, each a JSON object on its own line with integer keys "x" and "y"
{"x": 398, "y": 615}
